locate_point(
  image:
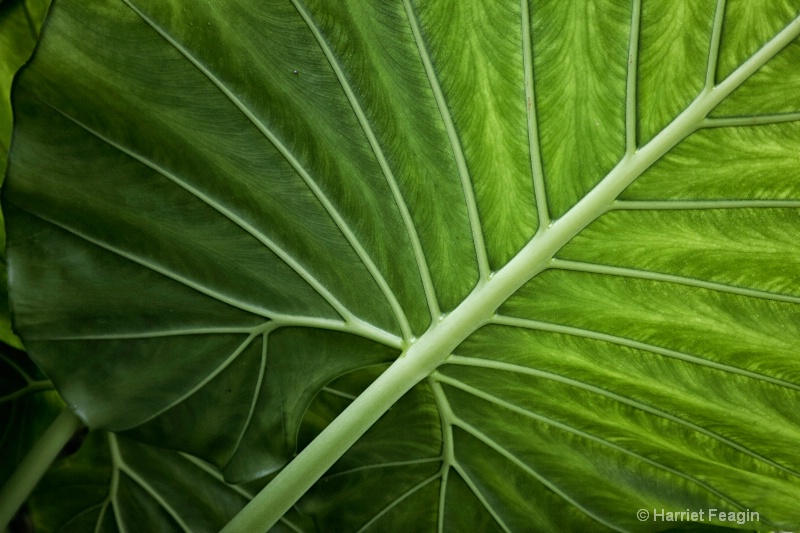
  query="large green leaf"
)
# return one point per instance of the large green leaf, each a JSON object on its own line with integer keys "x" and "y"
{"x": 575, "y": 222}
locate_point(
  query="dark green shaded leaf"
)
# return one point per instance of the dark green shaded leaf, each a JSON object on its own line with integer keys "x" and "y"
{"x": 113, "y": 484}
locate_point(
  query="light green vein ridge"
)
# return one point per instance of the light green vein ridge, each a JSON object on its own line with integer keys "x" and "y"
{"x": 116, "y": 462}
{"x": 262, "y": 370}
{"x": 688, "y": 205}
{"x": 579, "y": 266}
{"x": 755, "y": 120}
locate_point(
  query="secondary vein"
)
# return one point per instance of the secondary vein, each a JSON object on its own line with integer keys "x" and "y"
{"x": 537, "y": 167}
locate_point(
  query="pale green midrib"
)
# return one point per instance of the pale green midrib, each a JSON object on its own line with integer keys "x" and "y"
{"x": 481, "y": 255}
{"x": 631, "y": 132}
{"x": 116, "y": 460}
{"x": 637, "y": 345}
{"x": 284, "y": 256}
{"x": 575, "y": 431}
{"x": 508, "y": 367}
{"x": 537, "y": 167}
{"x": 411, "y": 230}
{"x": 754, "y": 120}
{"x": 714, "y": 45}
{"x": 256, "y": 395}
{"x": 377, "y": 466}
{"x": 340, "y": 222}
{"x": 449, "y": 459}
{"x": 139, "y": 480}
{"x": 688, "y": 205}
{"x": 482, "y": 437}
{"x": 435, "y": 346}
{"x": 578, "y": 266}
{"x": 397, "y": 501}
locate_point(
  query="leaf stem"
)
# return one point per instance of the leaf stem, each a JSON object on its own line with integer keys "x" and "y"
{"x": 28, "y": 473}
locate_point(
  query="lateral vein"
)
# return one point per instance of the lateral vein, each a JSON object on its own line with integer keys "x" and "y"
{"x": 631, "y": 82}
{"x": 578, "y": 266}
{"x": 714, "y": 45}
{"x": 537, "y": 167}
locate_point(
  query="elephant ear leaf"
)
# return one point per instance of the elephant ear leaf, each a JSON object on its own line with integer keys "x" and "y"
{"x": 566, "y": 230}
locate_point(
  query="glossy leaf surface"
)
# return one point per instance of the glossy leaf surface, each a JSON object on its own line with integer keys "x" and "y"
{"x": 586, "y": 212}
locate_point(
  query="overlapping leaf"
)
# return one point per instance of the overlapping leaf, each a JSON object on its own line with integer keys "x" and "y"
{"x": 241, "y": 201}
{"x": 28, "y": 405}
{"x": 112, "y": 484}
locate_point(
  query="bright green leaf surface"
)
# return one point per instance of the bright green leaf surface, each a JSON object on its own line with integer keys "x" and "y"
{"x": 578, "y": 218}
